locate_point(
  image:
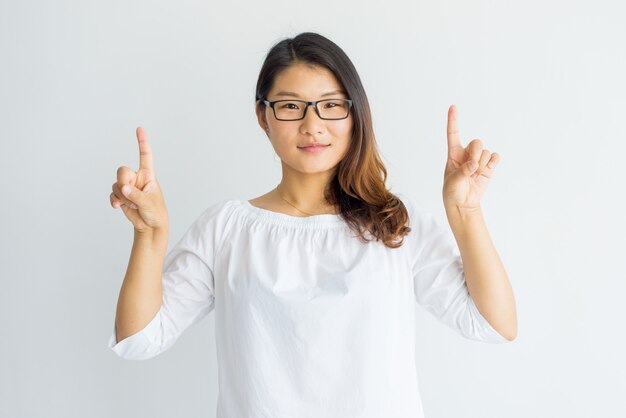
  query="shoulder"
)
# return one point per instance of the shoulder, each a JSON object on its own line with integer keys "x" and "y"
{"x": 215, "y": 218}
{"x": 218, "y": 208}
{"x": 421, "y": 220}
{"x": 413, "y": 208}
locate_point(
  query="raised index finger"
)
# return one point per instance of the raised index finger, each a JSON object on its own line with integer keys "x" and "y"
{"x": 145, "y": 151}
{"x": 454, "y": 139}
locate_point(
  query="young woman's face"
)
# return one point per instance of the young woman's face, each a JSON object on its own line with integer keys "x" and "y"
{"x": 287, "y": 137}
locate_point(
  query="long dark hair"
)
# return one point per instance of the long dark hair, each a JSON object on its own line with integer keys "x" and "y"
{"x": 358, "y": 186}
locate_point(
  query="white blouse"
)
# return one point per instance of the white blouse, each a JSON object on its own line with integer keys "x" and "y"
{"x": 309, "y": 321}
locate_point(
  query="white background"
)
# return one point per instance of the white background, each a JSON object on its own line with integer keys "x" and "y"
{"x": 539, "y": 82}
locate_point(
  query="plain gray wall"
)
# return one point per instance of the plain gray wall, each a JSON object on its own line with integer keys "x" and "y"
{"x": 539, "y": 82}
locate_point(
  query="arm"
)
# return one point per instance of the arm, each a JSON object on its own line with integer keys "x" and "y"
{"x": 141, "y": 294}
{"x": 167, "y": 295}
{"x": 486, "y": 279}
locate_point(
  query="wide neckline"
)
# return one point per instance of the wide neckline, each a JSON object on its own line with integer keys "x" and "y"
{"x": 283, "y": 218}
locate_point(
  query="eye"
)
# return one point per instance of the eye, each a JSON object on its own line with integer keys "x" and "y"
{"x": 286, "y": 105}
{"x": 335, "y": 103}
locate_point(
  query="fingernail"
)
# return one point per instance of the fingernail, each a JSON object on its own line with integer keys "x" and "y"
{"x": 490, "y": 164}
{"x": 473, "y": 165}
{"x": 126, "y": 189}
{"x": 133, "y": 206}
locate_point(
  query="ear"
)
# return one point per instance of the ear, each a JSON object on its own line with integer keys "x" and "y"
{"x": 260, "y": 115}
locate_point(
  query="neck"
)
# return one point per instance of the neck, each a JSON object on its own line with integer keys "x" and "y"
{"x": 306, "y": 192}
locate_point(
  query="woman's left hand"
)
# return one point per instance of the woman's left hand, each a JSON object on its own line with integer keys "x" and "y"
{"x": 464, "y": 185}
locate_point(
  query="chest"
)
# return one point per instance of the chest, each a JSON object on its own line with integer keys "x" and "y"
{"x": 307, "y": 266}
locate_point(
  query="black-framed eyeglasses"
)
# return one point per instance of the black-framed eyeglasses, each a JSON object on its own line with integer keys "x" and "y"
{"x": 331, "y": 109}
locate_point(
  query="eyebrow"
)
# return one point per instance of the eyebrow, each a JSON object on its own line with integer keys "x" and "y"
{"x": 291, "y": 93}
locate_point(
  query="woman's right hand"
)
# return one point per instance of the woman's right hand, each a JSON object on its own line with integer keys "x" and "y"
{"x": 144, "y": 204}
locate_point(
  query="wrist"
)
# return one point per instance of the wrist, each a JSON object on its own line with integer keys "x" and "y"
{"x": 458, "y": 216}
{"x": 153, "y": 235}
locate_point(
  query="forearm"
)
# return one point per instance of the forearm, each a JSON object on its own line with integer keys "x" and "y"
{"x": 486, "y": 278}
{"x": 141, "y": 293}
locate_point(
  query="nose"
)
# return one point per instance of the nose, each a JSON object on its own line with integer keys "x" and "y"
{"x": 312, "y": 121}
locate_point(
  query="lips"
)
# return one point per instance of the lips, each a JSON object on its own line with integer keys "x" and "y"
{"x": 314, "y": 149}
{"x": 315, "y": 145}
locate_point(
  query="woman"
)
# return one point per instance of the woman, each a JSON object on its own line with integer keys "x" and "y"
{"x": 314, "y": 283}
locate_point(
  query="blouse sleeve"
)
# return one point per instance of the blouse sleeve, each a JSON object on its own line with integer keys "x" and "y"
{"x": 439, "y": 279}
{"x": 188, "y": 289}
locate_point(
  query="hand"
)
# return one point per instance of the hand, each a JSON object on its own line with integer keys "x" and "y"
{"x": 463, "y": 187}
{"x": 143, "y": 205}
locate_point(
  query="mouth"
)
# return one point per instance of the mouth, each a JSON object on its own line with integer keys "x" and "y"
{"x": 316, "y": 146}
